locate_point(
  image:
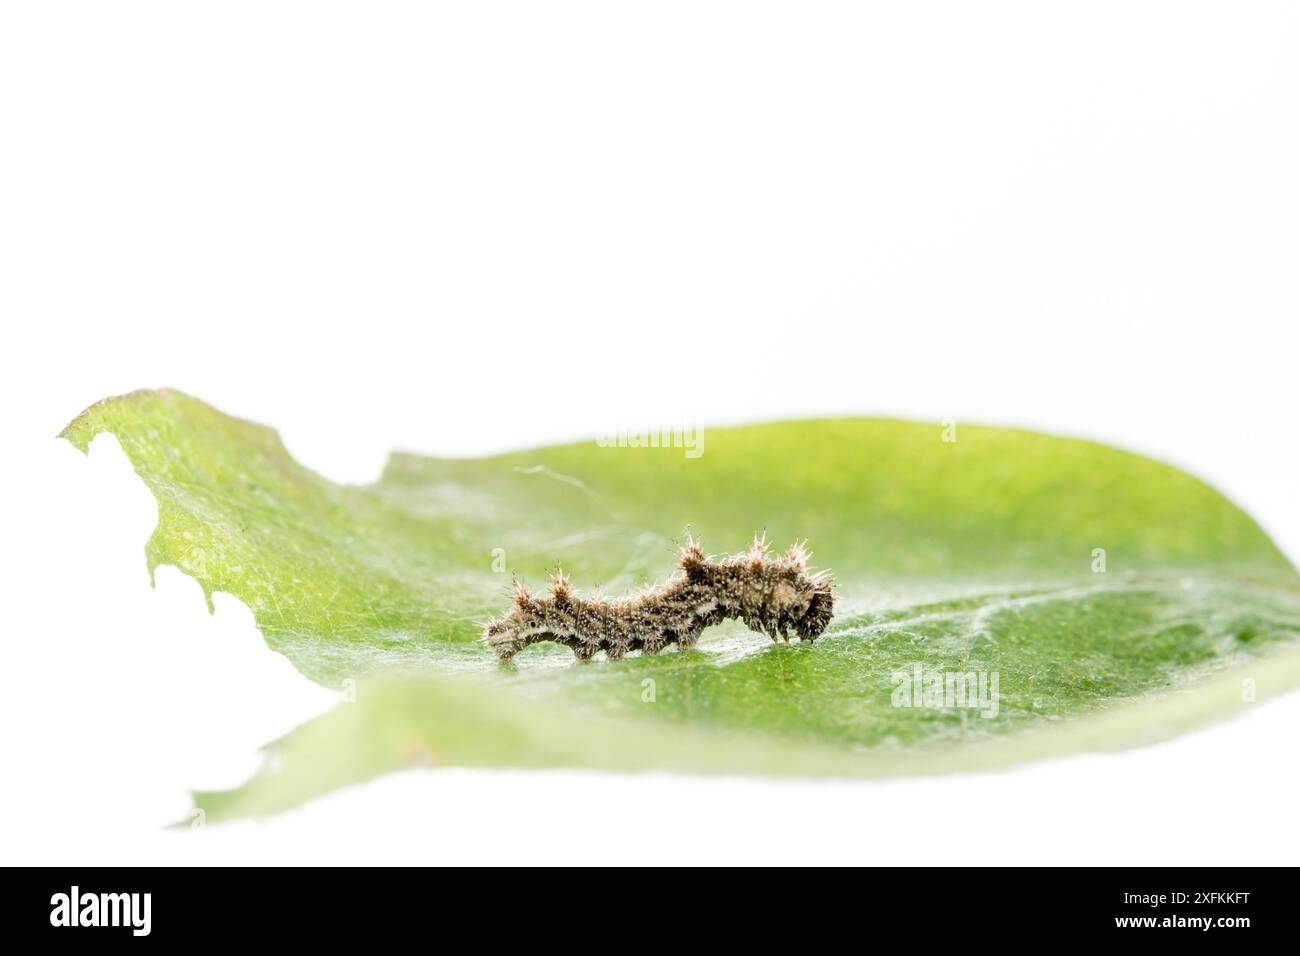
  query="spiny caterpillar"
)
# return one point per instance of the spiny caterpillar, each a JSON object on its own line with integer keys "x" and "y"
{"x": 770, "y": 595}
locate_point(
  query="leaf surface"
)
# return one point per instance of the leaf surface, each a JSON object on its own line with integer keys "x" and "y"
{"x": 975, "y": 557}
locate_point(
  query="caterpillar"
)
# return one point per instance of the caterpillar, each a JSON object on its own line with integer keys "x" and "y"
{"x": 773, "y": 596}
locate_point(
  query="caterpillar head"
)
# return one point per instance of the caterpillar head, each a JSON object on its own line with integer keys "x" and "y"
{"x": 818, "y": 611}
{"x": 506, "y": 635}
{"x": 796, "y": 602}
{"x": 501, "y": 638}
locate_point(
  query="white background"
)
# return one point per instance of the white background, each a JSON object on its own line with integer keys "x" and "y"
{"x": 457, "y": 228}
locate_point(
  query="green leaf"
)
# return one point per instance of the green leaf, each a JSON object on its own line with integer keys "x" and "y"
{"x": 976, "y": 556}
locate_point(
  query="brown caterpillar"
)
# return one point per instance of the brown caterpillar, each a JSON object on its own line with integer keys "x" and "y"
{"x": 771, "y": 595}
